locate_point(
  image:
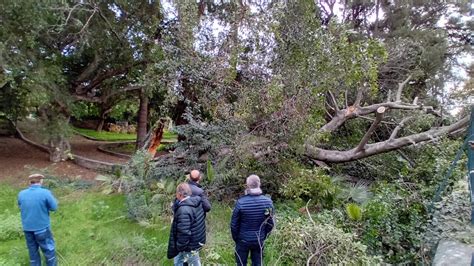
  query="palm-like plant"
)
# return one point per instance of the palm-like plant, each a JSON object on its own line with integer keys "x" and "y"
{"x": 354, "y": 212}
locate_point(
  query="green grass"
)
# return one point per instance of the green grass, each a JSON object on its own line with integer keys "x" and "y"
{"x": 113, "y": 136}
{"x": 91, "y": 228}
{"x": 105, "y": 135}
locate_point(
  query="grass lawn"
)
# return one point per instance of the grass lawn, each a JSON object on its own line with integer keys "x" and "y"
{"x": 105, "y": 135}
{"x": 114, "y": 136}
{"x": 91, "y": 228}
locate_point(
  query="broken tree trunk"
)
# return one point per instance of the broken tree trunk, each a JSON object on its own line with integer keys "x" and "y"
{"x": 156, "y": 138}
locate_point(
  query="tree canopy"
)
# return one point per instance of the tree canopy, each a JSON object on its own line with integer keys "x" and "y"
{"x": 334, "y": 104}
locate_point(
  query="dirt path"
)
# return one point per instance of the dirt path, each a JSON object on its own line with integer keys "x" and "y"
{"x": 18, "y": 160}
{"x": 79, "y": 145}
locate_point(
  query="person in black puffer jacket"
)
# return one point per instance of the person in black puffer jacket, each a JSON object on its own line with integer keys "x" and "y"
{"x": 197, "y": 190}
{"x": 188, "y": 230}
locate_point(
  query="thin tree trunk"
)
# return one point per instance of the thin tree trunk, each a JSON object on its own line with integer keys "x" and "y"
{"x": 142, "y": 120}
{"x": 100, "y": 125}
{"x": 103, "y": 115}
{"x": 376, "y": 24}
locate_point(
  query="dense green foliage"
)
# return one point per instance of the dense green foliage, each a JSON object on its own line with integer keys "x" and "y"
{"x": 288, "y": 90}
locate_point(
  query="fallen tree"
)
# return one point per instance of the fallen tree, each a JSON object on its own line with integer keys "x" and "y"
{"x": 394, "y": 142}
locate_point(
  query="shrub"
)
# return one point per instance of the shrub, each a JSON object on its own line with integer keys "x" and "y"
{"x": 393, "y": 223}
{"x": 163, "y": 196}
{"x": 137, "y": 206}
{"x": 148, "y": 195}
{"x": 10, "y": 227}
{"x": 314, "y": 184}
{"x": 299, "y": 241}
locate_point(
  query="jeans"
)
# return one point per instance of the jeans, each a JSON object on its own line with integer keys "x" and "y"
{"x": 187, "y": 258}
{"x": 242, "y": 251}
{"x": 41, "y": 239}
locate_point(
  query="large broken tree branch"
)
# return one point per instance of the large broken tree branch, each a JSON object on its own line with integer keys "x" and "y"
{"x": 378, "y": 118}
{"x": 335, "y": 156}
{"x": 343, "y": 115}
{"x": 400, "y": 89}
{"x": 156, "y": 137}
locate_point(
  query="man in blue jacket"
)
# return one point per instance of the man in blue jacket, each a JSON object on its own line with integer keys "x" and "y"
{"x": 35, "y": 204}
{"x": 252, "y": 221}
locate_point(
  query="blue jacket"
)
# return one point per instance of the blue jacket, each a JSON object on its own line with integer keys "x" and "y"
{"x": 35, "y": 204}
{"x": 252, "y": 219}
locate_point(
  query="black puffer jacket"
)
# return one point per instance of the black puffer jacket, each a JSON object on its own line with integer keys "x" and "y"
{"x": 197, "y": 190}
{"x": 188, "y": 231}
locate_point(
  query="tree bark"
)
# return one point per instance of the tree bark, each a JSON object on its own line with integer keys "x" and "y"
{"x": 103, "y": 115}
{"x": 142, "y": 120}
{"x": 100, "y": 125}
{"x": 378, "y": 118}
{"x": 156, "y": 137}
{"x": 59, "y": 149}
{"x": 350, "y": 112}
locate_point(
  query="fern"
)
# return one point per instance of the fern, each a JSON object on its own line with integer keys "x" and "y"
{"x": 209, "y": 171}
